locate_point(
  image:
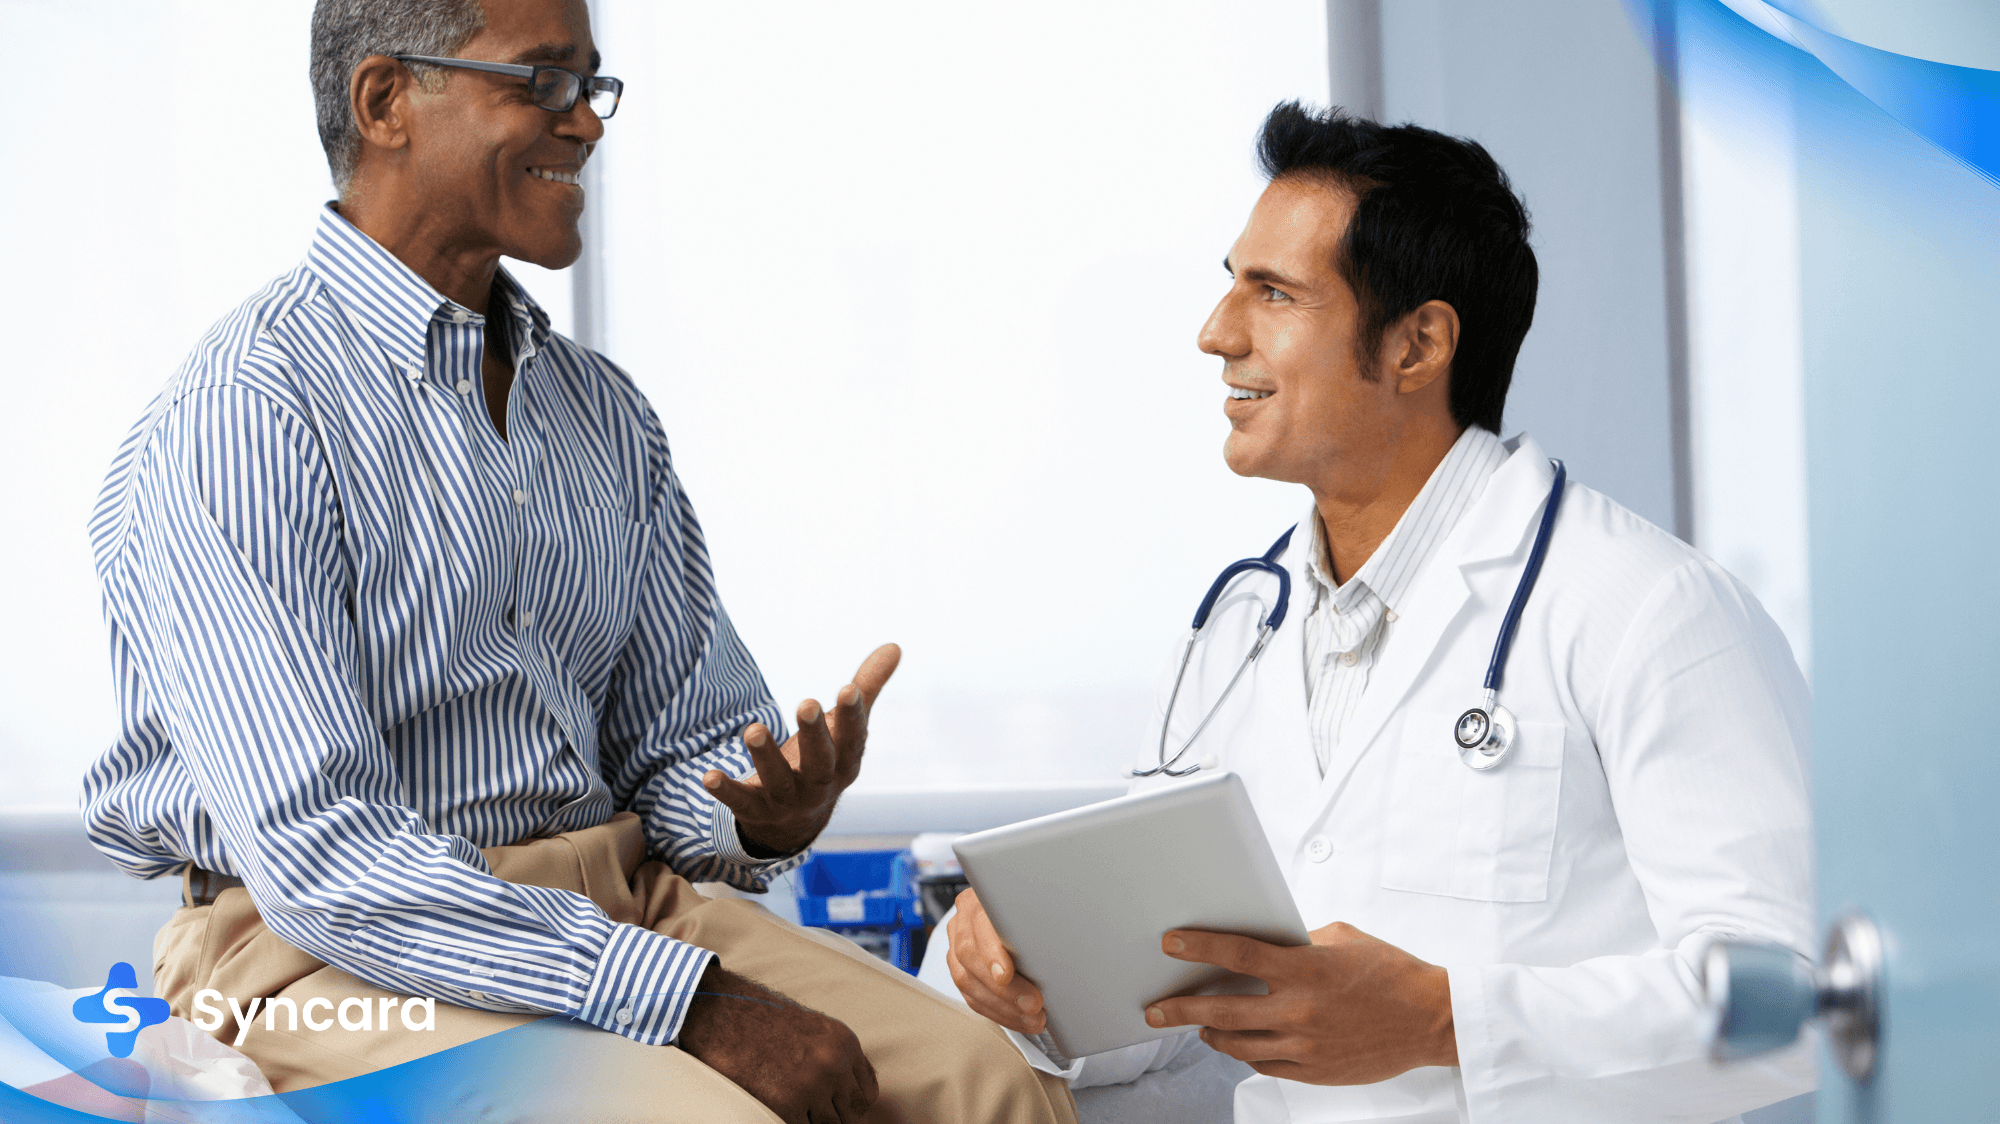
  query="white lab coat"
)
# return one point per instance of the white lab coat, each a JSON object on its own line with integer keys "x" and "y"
{"x": 1657, "y": 798}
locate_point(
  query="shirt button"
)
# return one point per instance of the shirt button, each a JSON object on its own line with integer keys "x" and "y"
{"x": 465, "y": 386}
{"x": 459, "y": 316}
{"x": 1349, "y": 659}
{"x": 624, "y": 1016}
{"x": 526, "y": 616}
{"x": 520, "y": 497}
{"x": 1319, "y": 848}
{"x": 415, "y": 371}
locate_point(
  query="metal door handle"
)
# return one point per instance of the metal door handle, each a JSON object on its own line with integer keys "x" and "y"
{"x": 1762, "y": 995}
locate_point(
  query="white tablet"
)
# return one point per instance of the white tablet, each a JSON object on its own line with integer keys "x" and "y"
{"x": 1084, "y": 896}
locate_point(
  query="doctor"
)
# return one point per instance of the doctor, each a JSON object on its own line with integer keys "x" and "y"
{"x": 1517, "y": 942}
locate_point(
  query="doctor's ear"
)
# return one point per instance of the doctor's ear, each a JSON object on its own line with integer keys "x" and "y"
{"x": 1418, "y": 348}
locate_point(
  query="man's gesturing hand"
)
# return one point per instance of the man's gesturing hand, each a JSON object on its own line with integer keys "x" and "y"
{"x": 783, "y": 808}
{"x": 1347, "y": 1009}
{"x": 984, "y": 970}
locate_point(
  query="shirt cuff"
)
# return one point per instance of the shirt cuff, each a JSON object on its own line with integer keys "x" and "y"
{"x": 644, "y": 985}
{"x": 727, "y": 841}
{"x": 1037, "y": 1051}
{"x": 1478, "y": 1058}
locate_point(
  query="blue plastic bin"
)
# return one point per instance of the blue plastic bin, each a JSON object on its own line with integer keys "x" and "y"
{"x": 868, "y": 895}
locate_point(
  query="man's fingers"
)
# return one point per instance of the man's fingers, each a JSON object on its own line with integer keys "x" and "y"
{"x": 849, "y": 726}
{"x": 741, "y": 798}
{"x": 876, "y": 670}
{"x": 1224, "y": 950}
{"x": 990, "y": 956}
{"x": 998, "y": 1005}
{"x": 816, "y": 756}
{"x": 970, "y": 954}
{"x": 773, "y": 771}
{"x": 864, "y": 1077}
{"x": 1255, "y": 1047}
{"x": 1224, "y": 1012}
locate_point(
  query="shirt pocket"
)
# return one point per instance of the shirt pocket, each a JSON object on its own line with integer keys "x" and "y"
{"x": 1465, "y": 833}
{"x": 597, "y": 579}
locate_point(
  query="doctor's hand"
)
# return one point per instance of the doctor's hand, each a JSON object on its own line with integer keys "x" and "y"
{"x": 983, "y": 969}
{"x": 783, "y": 808}
{"x": 1347, "y": 1009}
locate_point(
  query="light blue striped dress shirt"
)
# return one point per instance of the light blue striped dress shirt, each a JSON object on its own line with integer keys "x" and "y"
{"x": 357, "y": 636}
{"x": 1348, "y": 623}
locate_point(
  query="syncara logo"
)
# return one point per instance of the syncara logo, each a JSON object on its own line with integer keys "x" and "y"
{"x": 134, "y": 1012}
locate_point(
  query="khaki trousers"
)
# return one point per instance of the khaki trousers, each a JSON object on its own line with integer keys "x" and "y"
{"x": 935, "y": 1060}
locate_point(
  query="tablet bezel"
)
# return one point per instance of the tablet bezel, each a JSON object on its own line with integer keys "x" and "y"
{"x": 1082, "y": 897}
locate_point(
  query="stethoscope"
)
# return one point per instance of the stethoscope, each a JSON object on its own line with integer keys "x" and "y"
{"x": 1482, "y": 734}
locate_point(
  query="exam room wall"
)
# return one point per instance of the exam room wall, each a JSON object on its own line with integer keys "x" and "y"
{"x": 1565, "y": 96}
{"x": 1028, "y": 443}
{"x": 925, "y": 355}
{"x": 916, "y": 288}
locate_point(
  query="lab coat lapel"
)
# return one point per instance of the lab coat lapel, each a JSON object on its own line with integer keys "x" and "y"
{"x": 1495, "y": 526}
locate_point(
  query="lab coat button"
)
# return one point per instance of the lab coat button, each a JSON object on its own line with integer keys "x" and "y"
{"x": 1319, "y": 848}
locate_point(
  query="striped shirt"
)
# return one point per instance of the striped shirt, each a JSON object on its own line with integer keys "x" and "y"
{"x": 1345, "y": 627}
{"x": 357, "y": 636}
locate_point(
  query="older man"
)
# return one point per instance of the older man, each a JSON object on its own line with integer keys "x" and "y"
{"x": 1496, "y": 936}
{"x": 423, "y": 679}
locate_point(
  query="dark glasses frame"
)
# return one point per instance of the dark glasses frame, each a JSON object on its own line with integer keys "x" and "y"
{"x": 560, "y": 93}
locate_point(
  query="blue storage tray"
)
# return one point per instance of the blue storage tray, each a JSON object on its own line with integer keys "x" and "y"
{"x": 839, "y": 889}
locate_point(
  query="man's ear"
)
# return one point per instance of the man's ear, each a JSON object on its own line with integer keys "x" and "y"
{"x": 379, "y": 95}
{"x": 1417, "y": 350}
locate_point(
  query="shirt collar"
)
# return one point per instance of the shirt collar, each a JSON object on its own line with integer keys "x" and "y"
{"x": 390, "y": 301}
{"x": 1453, "y": 485}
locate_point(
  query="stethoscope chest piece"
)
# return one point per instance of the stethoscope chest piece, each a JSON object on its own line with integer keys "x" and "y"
{"x": 1483, "y": 736}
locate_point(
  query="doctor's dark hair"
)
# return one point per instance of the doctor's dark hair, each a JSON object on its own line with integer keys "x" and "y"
{"x": 1436, "y": 219}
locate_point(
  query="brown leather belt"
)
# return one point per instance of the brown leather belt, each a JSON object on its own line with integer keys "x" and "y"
{"x": 201, "y": 887}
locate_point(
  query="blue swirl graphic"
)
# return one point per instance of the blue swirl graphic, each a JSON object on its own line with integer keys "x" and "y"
{"x": 1955, "y": 108}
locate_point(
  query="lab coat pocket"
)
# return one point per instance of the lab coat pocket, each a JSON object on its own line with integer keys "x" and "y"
{"x": 1463, "y": 833}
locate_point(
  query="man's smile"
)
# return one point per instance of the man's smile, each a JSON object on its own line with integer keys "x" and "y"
{"x": 1241, "y": 392}
{"x": 574, "y": 179}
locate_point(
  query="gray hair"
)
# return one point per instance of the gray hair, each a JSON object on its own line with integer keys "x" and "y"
{"x": 346, "y": 31}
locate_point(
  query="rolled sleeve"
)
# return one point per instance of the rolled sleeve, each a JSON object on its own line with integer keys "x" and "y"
{"x": 728, "y": 844}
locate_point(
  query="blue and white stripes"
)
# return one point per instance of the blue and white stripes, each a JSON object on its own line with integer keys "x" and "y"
{"x": 357, "y": 637}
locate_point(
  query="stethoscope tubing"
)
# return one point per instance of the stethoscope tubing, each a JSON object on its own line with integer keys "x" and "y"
{"x": 1505, "y": 642}
{"x": 1268, "y": 563}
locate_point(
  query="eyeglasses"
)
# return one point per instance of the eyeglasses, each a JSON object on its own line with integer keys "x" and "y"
{"x": 555, "y": 88}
